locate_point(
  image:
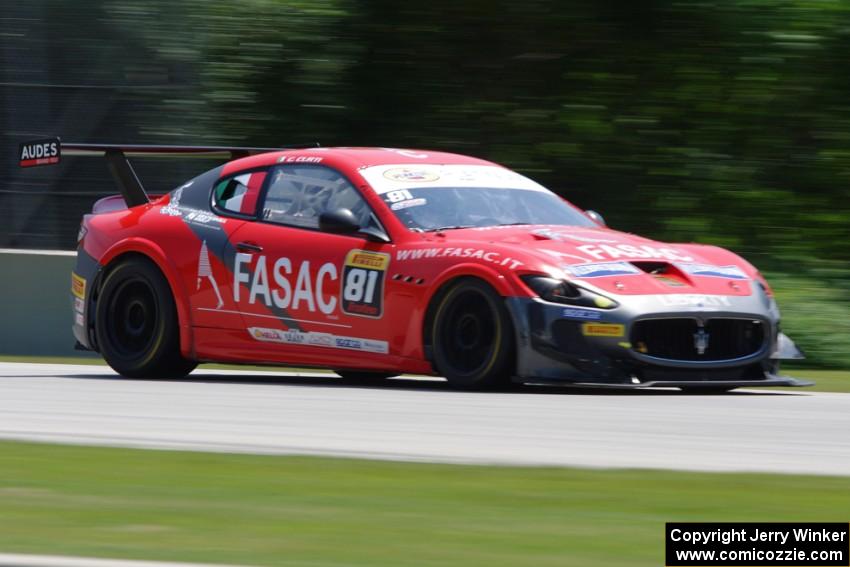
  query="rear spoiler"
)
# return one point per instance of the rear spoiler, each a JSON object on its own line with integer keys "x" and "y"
{"x": 49, "y": 151}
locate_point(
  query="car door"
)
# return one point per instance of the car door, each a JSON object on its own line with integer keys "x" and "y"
{"x": 209, "y": 279}
{"x": 308, "y": 296}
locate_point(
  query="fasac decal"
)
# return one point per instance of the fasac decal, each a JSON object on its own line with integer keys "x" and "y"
{"x": 642, "y": 251}
{"x": 308, "y": 292}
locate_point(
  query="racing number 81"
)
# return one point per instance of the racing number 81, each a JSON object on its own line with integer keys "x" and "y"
{"x": 355, "y": 290}
{"x": 363, "y": 279}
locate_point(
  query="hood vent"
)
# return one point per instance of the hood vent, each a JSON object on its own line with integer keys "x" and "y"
{"x": 665, "y": 273}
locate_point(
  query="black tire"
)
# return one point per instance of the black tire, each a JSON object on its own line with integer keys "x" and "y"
{"x": 136, "y": 323}
{"x": 472, "y": 336}
{"x": 361, "y": 377}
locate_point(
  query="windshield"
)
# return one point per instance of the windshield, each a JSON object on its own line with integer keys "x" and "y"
{"x": 461, "y": 207}
{"x": 443, "y": 196}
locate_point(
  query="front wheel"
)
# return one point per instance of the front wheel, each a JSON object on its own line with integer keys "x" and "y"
{"x": 472, "y": 336}
{"x": 136, "y": 323}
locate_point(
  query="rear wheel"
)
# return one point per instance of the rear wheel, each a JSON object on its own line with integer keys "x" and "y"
{"x": 472, "y": 336}
{"x": 136, "y": 323}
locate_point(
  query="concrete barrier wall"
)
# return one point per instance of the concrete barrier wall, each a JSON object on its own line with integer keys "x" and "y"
{"x": 35, "y": 296}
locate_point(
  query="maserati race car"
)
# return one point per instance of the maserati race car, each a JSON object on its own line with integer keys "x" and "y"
{"x": 376, "y": 261}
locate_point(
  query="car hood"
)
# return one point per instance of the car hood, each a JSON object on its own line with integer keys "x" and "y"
{"x": 615, "y": 261}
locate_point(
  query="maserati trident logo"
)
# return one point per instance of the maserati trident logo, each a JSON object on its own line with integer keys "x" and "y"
{"x": 701, "y": 340}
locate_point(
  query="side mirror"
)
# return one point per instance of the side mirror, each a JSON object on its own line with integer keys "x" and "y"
{"x": 595, "y": 217}
{"x": 338, "y": 221}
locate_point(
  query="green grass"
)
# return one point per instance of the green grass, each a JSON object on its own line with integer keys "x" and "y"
{"x": 825, "y": 380}
{"x": 326, "y": 512}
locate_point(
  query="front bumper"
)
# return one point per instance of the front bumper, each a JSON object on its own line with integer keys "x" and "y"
{"x": 559, "y": 343}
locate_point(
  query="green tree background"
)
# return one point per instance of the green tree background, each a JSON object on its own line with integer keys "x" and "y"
{"x": 723, "y": 122}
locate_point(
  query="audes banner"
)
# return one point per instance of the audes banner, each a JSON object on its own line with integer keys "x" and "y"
{"x": 39, "y": 152}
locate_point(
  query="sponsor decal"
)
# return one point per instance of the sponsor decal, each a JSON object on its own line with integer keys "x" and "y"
{"x": 363, "y": 279}
{"x": 381, "y": 347}
{"x": 346, "y": 342}
{"x": 39, "y": 152}
{"x": 79, "y": 320}
{"x": 205, "y": 272}
{"x": 195, "y": 217}
{"x": 603, "y": 330}
{"x": 320, "y": 339}
{"x": 79, "y": 305}
{"x": 172, "y": 209}
{"x": 729, "y": 272}
{"x": 407, "y": 204}
{"x": 694, "y": 300}
{"x": 409, "y": 174}
{"x": 449, "y": 252}
{"x": 269, "y": 335}
{"x": 78, "y": 286}
{"x": 300, "y": 159}
{"x": 272, "y": 283}
{"x": 640, "y": 251}
{"x": 384, "y": 179}
{"x": 559, "y": 235}
{"x": 601, "y": 270}
{"x": 574, "y": 313}
{"x": 326, "y": 340}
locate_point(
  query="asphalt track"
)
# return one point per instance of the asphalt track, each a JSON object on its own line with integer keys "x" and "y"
{"x": 276, "y": 413}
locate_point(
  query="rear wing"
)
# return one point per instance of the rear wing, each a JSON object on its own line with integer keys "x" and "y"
{"x": 49, "y": 151}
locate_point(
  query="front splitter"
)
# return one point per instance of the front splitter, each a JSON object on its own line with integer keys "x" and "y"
{"x": 771, "y": 380}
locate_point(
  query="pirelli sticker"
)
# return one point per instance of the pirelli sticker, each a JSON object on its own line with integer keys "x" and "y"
{"x": 363, "y": 283}
{"x": 78, "y": 286}
{"x": 603, "y": 330}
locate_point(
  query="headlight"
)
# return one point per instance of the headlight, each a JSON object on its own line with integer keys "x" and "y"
{"x": 560, "y": 291}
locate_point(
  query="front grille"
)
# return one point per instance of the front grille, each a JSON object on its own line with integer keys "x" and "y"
{"x": 690, "y": 340}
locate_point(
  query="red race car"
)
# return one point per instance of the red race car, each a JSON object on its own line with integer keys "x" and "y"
{"x": 378, "y": 261}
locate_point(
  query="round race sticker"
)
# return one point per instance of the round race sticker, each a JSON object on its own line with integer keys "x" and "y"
{"x": 410, "y": 174}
